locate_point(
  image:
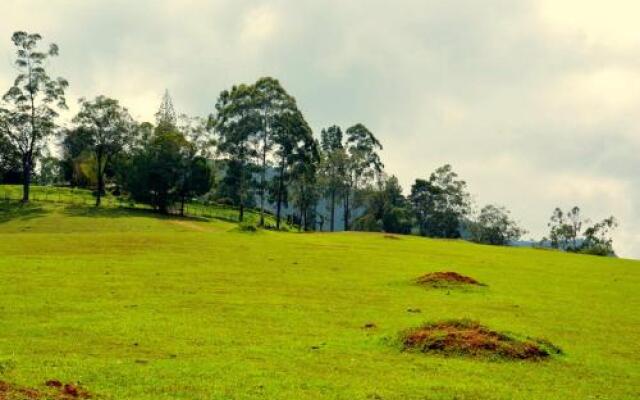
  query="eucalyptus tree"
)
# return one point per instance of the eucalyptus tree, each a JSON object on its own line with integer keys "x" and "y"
{"x": 332, "y": 167}
{"x": 291, "y": 138}
{"x": 304, "y": 185}
{"x": 31, "y": 104}
{"x": 271, "y": 102}
{"x": 363, "y": 164}
{"x": 567, "y": 233}
{"x": 108, "y": 128}
{"x": 238, "y": 125}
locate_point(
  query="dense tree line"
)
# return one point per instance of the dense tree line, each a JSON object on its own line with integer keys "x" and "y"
{"x": 255, "y": 150}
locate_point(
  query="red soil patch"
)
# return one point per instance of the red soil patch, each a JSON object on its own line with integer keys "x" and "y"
{"x": 469, "y": 338}
{"x": 11, "y": 392}
{"x": 56, "y": 390}
{"x": 445, "y": 279}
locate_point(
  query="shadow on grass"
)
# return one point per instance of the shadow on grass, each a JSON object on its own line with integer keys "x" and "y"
{"x": 16, "y": 210}
{"x": 106, "y": 212}
{"x": 124, "y": 212}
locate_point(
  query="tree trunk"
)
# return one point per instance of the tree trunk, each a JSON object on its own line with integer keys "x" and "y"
{"x": 346, "y": 210}
{"x": 263, "y": 176}
{"x": 280, "y": 190}
{"x": 241, "y": 211}
{"x": 262, "y": 181}
{"x": 333, "y": 209}
{"x": 182, "y": 205}
{"x": 100, "y": 180}
{"x": 26, "y": 177}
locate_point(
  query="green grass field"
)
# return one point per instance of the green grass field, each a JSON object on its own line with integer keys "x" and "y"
{"x": 137, "y": 306}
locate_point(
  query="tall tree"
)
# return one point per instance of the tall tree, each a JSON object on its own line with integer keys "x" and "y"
{"x": 363, "y": 165}
{"x": 304, "y": 181}
{"x": 166, "y": 117}
{"x": 32, "y": 101}
{"x": 440, "y": 203}
{"x": 271, "y": 102}
{"x": 237, "y": 124}
{"x": 292, "y": 138}
{"x": 333, "y": 167}
{"x": 109, "y": 128}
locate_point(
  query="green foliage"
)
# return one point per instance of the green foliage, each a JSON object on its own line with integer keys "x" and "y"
{"x": 494, "y": 226}
{"x": 237, "y": 122}
{"x": 440, "y": 203}
{"x": 386, "y": 209}
{"x": 106, "y": 129}
{"x": 298, "y": 161}
{"x": 567, "y": 233}
{"x": 362, "y": 165}
{"x": 9, "y": 158}
{"x": 333, "y": 169}
{"x": 49, "y": 171}
{"x": 161, "y": 173}
{"x": 28, "y": 116}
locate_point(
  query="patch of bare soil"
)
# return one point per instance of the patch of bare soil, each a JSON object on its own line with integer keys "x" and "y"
{"x": 54, "y": 389}
{"x": 469, "y": 338}
{"x": 442, "y": 279}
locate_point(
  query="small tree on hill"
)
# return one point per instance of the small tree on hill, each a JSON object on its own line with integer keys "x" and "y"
{"x": 566, "y": 233}
{"x": 109, "y": 129}
{"x": 494, "y": 226}
{"x": 440, "y": 203}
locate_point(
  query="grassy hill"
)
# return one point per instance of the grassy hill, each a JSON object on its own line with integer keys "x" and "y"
{"x": 136, "y": 306}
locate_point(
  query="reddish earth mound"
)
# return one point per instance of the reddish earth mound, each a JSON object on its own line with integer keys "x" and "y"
{"x": 446, "y": 279}
{"x": 55, "y": 390}
{"x": 12, "y": 392}
{"x": 469, "y": 338}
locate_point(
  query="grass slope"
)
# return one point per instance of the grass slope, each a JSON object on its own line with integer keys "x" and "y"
{"x": 85, "y": 197}
{"x": 135, "y": 306}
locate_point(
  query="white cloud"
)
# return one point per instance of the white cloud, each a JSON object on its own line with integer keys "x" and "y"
{"x": 612, "y": 23}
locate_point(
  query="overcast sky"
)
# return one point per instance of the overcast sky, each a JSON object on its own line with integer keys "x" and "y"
{"x": 536, "y": 103}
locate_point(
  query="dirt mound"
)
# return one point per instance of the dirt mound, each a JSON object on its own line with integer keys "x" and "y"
{"x": 439, "y": 279}
{"x": 54, "y": 390}
{"x": 469, "y": 338}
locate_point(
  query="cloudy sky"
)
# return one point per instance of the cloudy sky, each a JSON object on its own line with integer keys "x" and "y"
{"x": 536, "y": 103}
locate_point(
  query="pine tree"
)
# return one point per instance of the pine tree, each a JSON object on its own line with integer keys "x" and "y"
{"x": 166, "y": 115}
